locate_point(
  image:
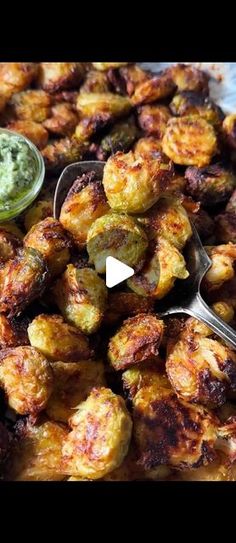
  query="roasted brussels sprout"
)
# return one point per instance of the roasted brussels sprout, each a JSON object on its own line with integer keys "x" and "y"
{"x": 189, "y": 78}
{"x": 126, "y": 79}
{"x": 194, "y": 103}
{"x": 9, "y": 243}
{"x": 203, "y": 223}
{"x": 100, "y": 436}
{"x": 81, "y": 297}
{"x": 158, "y": 275}
{"x": 222, "y": 269}
{"x": 229, "y": 130}
{"x": 57, "y": 76}
{"x": 49, "y": 238}
{"x": 106, "y": 65}
{"x": 210, "y": 185}
{"x": 16, "y": 76}
{"x": 31, "y": 130}
{"x": 22, "y": 280}
{"x": 202, "y": 370}
{"x": 156, "y": 88}
{"x": 148, "y": 148}
{"x": 116, "y": 235}
{"x": 73, "y": 383}
{"x": 133, "y": 184}
{"x": 136, "y": 341}
{"x": 95, "y": 81}
{"x": 58, "y": 340}
{"x": 189, "y": 140}
{"x": 62, "y": 152}
{"x": 167, "y": 219}
{"x": 225, "y": 227}
{"x": 153, "y": 119}
{"x": 13, "y": 332}
{"x": 120, "y": 138}
{"x": 37, "y": 453}
{"x": 85, "y": 202}
{"x": 126, "y": 304}
{"x": 143, "y": 375}
{"x": 39, "y": 211}
{"x": 63, "y": 120}
{"x": 104, "y": 106}
{"x": 171, "y": 432}
{"x": 27, "y": 379}
{"x": 31, "y": 105}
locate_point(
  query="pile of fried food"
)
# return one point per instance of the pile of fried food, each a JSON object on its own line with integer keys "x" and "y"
{"x": 94, "y": 386}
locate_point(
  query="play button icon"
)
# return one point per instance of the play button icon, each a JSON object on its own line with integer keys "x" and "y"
{"x": 116, "y": 271}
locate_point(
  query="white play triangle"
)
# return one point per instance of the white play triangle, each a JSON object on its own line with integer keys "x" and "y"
{"x": 116, "y": 272}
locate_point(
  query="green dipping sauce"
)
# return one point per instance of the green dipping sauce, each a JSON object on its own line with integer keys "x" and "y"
{"x": 18, "y": 169}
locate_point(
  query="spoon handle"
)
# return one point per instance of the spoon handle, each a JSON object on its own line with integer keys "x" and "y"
{"x": 199, "y": 309}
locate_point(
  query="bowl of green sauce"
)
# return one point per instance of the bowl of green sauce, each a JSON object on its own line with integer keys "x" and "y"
{"x": 21, "y": 173}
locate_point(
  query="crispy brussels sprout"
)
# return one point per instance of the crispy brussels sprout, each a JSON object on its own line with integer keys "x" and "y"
{"x": 73, "y": 384}
{"x": 103, "y": 66}
{"x": 16, "y": 76}
{"x": 189, "y": 140}
{"x": 95, "y": 81}
{"x": 116, "y": 235}
{"x": 31, "y": 130}
{"x": 126, "y": 79}
{"x": 9, "y": 243}
{"x": 229, "y": 130}
{"x": 171, "y": 432}
{"x": 225, "y": 227}
{"x": 85, "y": 202}
{"x": 211, "y": 185}
{"x": 57, "y": 76}
{"x": 126, "y": 304}
{"x": 193, "y": 326}
{"x": 148, "y": 148}
{"x": 63, "y": 120}
{"x": 31, "y": 105}
{"x": 49, "y": 238}
{"x": 27, "y": 379}
{"x": 100, "y": 436}
{"x": 156, "y": 88}
{"x": 12, "y": 228}
{"x": 22, "y": 280}
{"x": 120, "y": 138}
{"x": 153, "y": 119}
{"x": 13, "y": 332}
{"x": 37, "y": 453}
{"x": 60, "y": 153}
{"x": 40, "y": 210}
{"x": 222, "y": 269}
{"x": 133, "y": 184}
{"x": 136, "y": 341}
{"x": 4, "y": 442}
{"x": 189, "y": 78}
{"x": 143, "y": 375}
{"x": 103, "y": 106}
{"x": 168, "y": 219}
{"x": 203, "y": 223}
{"x": 194, "y": 103}
{"x": 202, "y": 370}
{"x": 158, "y": 275}
{"x": 81, "y": 297}
{"x": 88, "y": 127}
{"x": 58, "y": 340}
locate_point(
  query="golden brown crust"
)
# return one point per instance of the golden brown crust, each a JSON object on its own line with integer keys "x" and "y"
{"x": 49, "y": 239}
{"x": 16, "y": 76}
{"x": 62, "y": 152}
{"x": 189, "y": 78}
{"x": 126, "y": 304}
{"x": 194, "y": 103}
{"x": 57, "y": 76}
{"x": 13, "y": 332}
{"x": 31, "y": 130}
{"x": 27, "y": 379}
{"x": 63, "y": 120}
{"x": 153, "y": 119}
{"x": 136, "y": 341}
{"x": 31, "y": 105}
{"x": 85, "y": 202}
{"x": 229, "y": 130}
{"x": 189, "y": 140}
{"x": 155, "y": 88}
{"x": 210, "y": 185}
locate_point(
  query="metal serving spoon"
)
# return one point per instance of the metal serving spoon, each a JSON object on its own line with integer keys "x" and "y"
{"x": 185, "y": 297}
